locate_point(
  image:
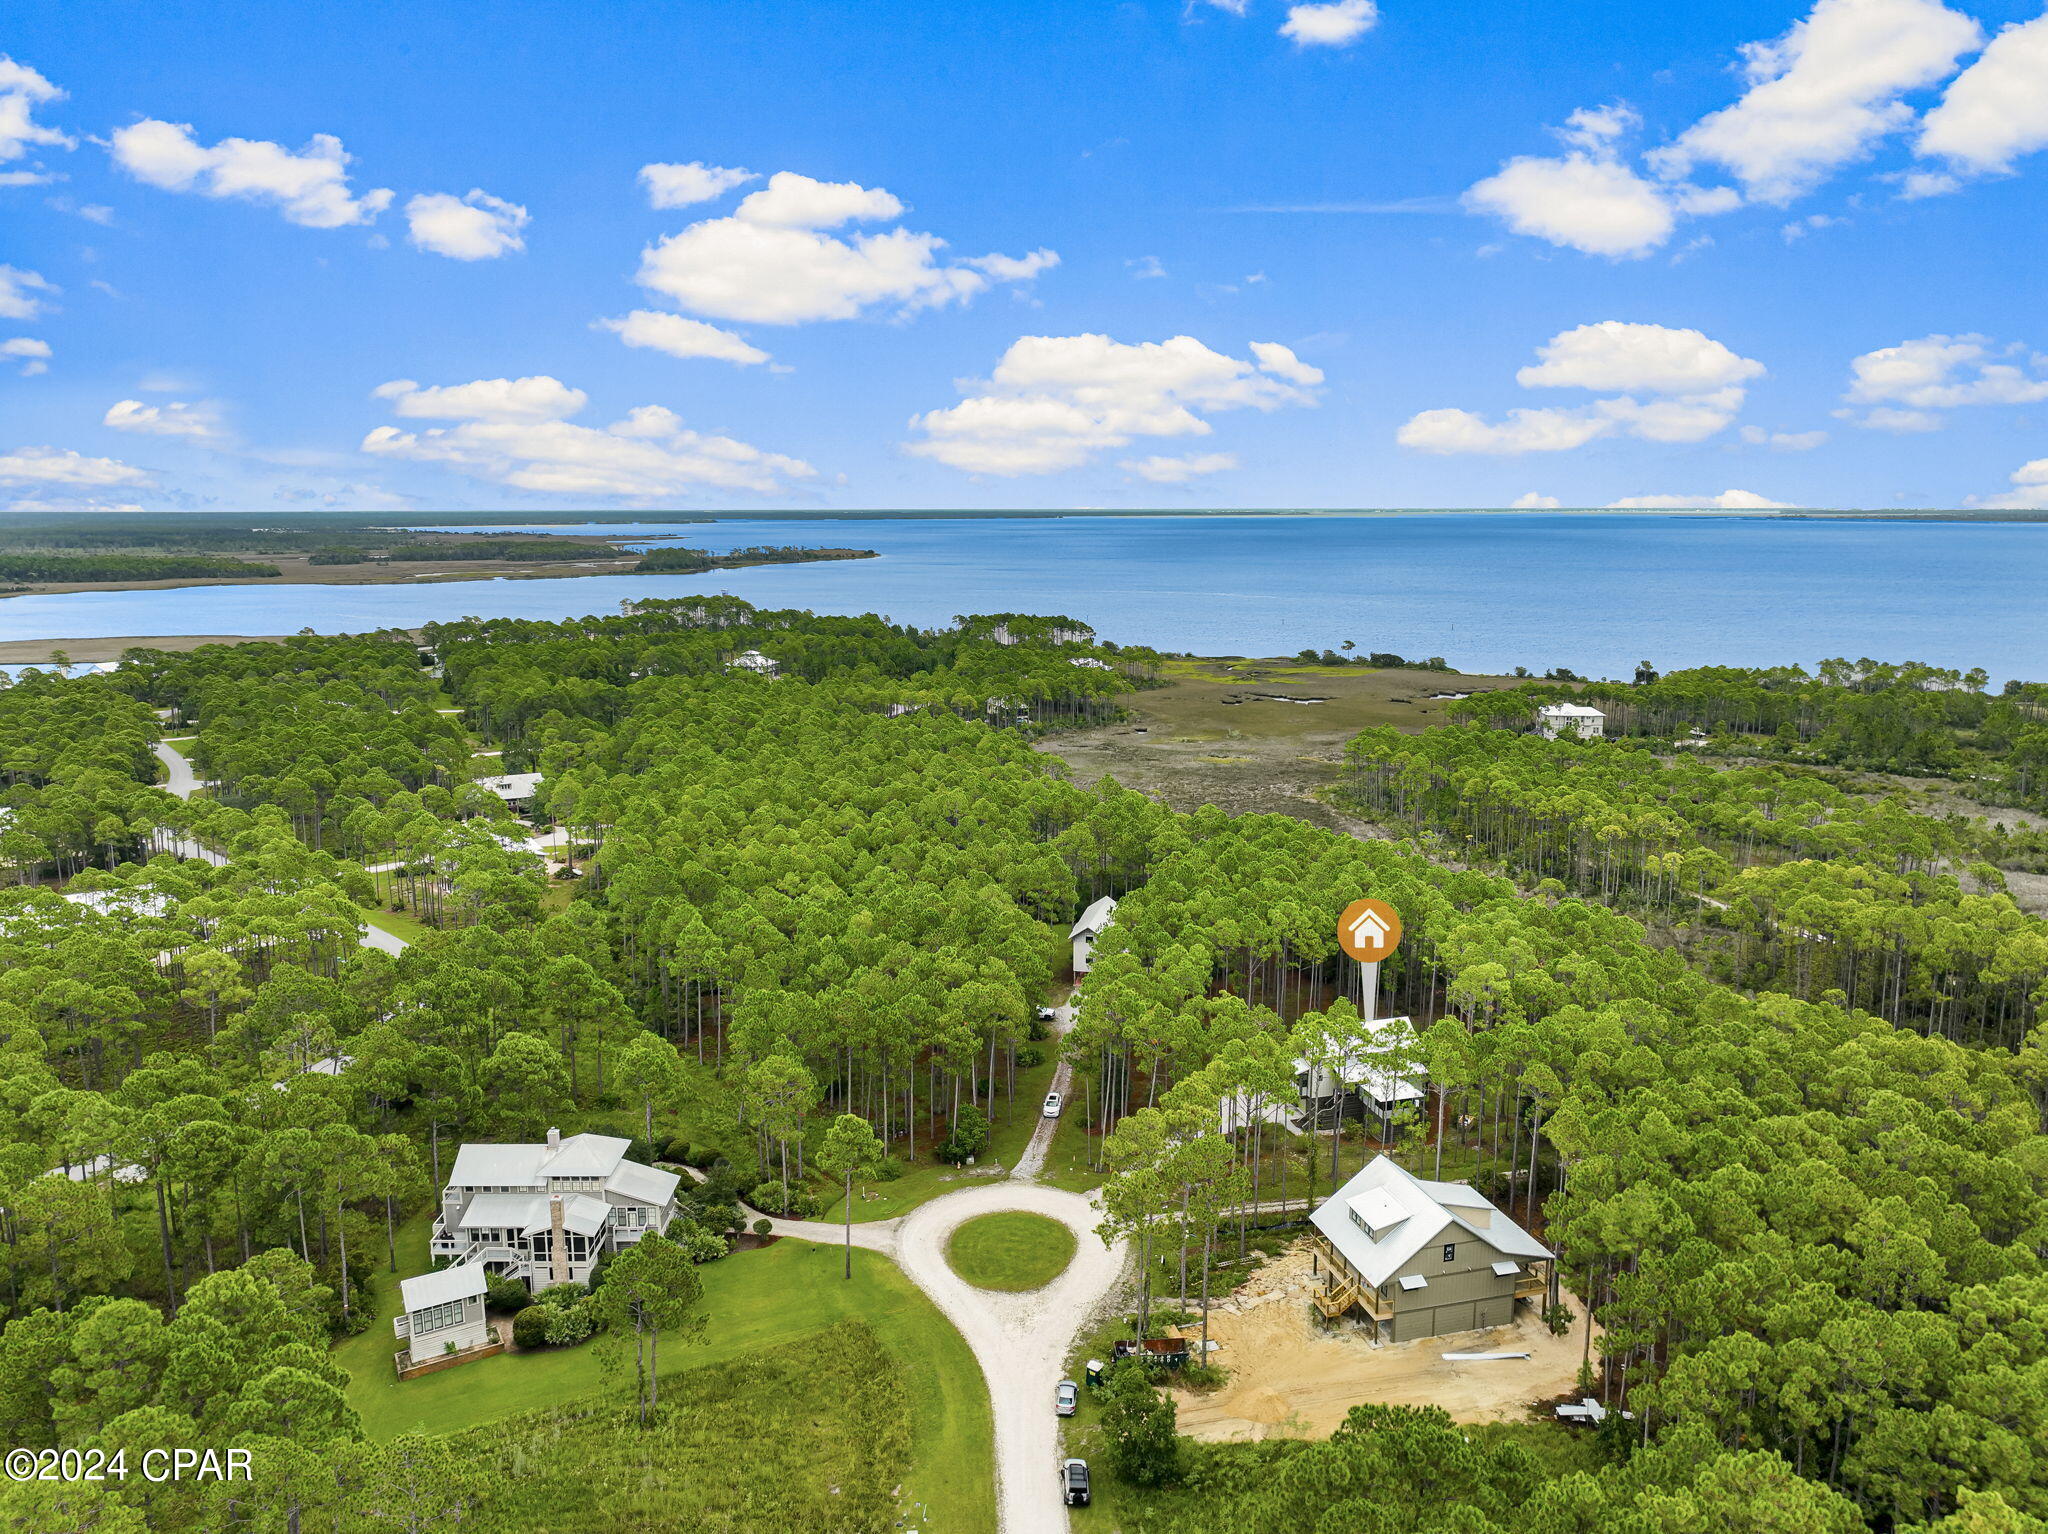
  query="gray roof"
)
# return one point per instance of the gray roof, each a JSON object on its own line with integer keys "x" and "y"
{"x": 464, "y": 1281}
{"x": 1096, "y": 919}
{"x": 1407, "y": 1214}
{"x": 513, "y": 785}
{"x": 528, "y": 1213}
{"x": 528, "y": 1166}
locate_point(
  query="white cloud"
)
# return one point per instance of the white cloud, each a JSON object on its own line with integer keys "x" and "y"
{"x": 1690, "y": 418}
{"x": 87, "y": 504}
{"x": 1997, "y": 109}
{"x": 1887, "y": 418}
{"x": 1822, "y": 95}
{"x": 1932, "y": 373}
{"x": 515, "y": 432}
{"x": 477, "y": 227}
{"x": 54, "y": 466}
{"x": 771, "y": 261}
{"x": 1696, "y": 384}
{"x": 791, "y": 201}
{"x": 539, "y": 398}
{"x": 1281, "y": 362}
{"x": 681, "y": 337}
{"x": 1015, "y": 268}
{"x": 1144, "y": 267}
{"x": 20, "y": 293}
{"x": 1531, "y": 501}
{"x": 1594, "y": 129}
{"x": 22, "y": 90}
{"x": 1615, "y": 355}
{"x": 2029, "y": 488}
{"x": 678, "y": 186}
{"x": 1785, "y": 441}
{"x": 1727, "y": 500}
{"x": 1332, "y": 25}
{"x": 1916, "y": 184}
{"x": 197, "y": 422}
{"x": 1523, "y": 431}
{"x": 1054, "y": 402}
{"x": 33, "y": 355}
{"x": 1162, "y": 470}
{"x": 309, "y": 187}
{"x": 1587, "y": 202}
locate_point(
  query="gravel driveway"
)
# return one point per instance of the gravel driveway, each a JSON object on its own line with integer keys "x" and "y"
{"x": 1021, "y": 1340}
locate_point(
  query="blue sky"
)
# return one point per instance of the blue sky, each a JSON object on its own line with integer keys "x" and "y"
{"x": 1259, "y": 254}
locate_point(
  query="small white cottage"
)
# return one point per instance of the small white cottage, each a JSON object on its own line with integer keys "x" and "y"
{"x": 443, "y": 1313}
{"x": 1093, "y": 923}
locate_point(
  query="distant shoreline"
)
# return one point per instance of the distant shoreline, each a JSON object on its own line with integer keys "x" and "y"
{"x": 1693, "y": 513}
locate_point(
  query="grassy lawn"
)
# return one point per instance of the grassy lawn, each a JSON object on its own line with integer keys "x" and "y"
{"x": 808, "y": 1435}
{"x": 754, "y": 1300}
{"x": 398, "y": 924}
{"x": 1010, "y": 1251}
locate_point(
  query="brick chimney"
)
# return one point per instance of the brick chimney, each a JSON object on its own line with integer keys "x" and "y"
{"x": 558, "y": 1239}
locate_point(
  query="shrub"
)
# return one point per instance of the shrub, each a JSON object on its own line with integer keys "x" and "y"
{"x": 530, "y": 1327}
{"x": 570, "y": 1323}
{"x": 888, "y": 1169}
{"x": 767, "y": 1196}
{"x": 700, "y": 1244}
{"x": 505, "y": 1296}
{"x": 969, "y": 1137}
{"x": 1027, "y": 1057}
{"x": 763, "y": 1227}
{"x": 1141, "y": 1426}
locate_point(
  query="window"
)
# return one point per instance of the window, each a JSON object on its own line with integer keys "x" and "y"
{"x": 437, "y": 1317}
{"x": 1450, "y": 1251}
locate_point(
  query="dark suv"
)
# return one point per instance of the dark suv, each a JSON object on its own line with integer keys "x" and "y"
{"x": 1074, "y": 1481}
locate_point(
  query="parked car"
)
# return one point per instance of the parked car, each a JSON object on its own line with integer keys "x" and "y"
{"x": 1047, "y": 1015}
{"x": 1065, "y": 1397}
{"x": 1074, "y": 1481}
{"x": 1053, "y": 1103}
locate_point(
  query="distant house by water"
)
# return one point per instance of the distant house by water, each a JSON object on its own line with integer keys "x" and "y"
{"x": 754, "y": 661}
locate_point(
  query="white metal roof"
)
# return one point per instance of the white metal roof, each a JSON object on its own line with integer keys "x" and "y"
{"x": 529, "y": 1166}
{"x": 1507, "y": 1269}
{"x": 1431, "y": 1209}
{"x": 512, "y": 785}
{"x": 1096, "y": 919}
{"x": 647, "y": 1184}
{"x": 464, "y": 1281}
{"x": 1569, "y": 711}
{"x": 1362, "y": 1070}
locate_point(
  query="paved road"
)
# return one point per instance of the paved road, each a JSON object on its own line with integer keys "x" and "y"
{"x": 1020, "y": 1340}
{"x": 184, "y": 782}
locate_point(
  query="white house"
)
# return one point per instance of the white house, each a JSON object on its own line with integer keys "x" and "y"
{"x": 442, "y": 1312}
{"x": 515, "y": 788}
{"x": 754, "y": 661}
{"x": 1555, "y": 719}
{"x": 1093, "y": 923}
{"x": 544, "y": 1214}
{"x": 1367, "y": 1076}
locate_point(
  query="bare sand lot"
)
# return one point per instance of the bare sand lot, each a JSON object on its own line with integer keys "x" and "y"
{"x": 1289, "y": 1378}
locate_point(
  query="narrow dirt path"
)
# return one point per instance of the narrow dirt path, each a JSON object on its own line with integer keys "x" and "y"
{"x": 1020, "y": 1340}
